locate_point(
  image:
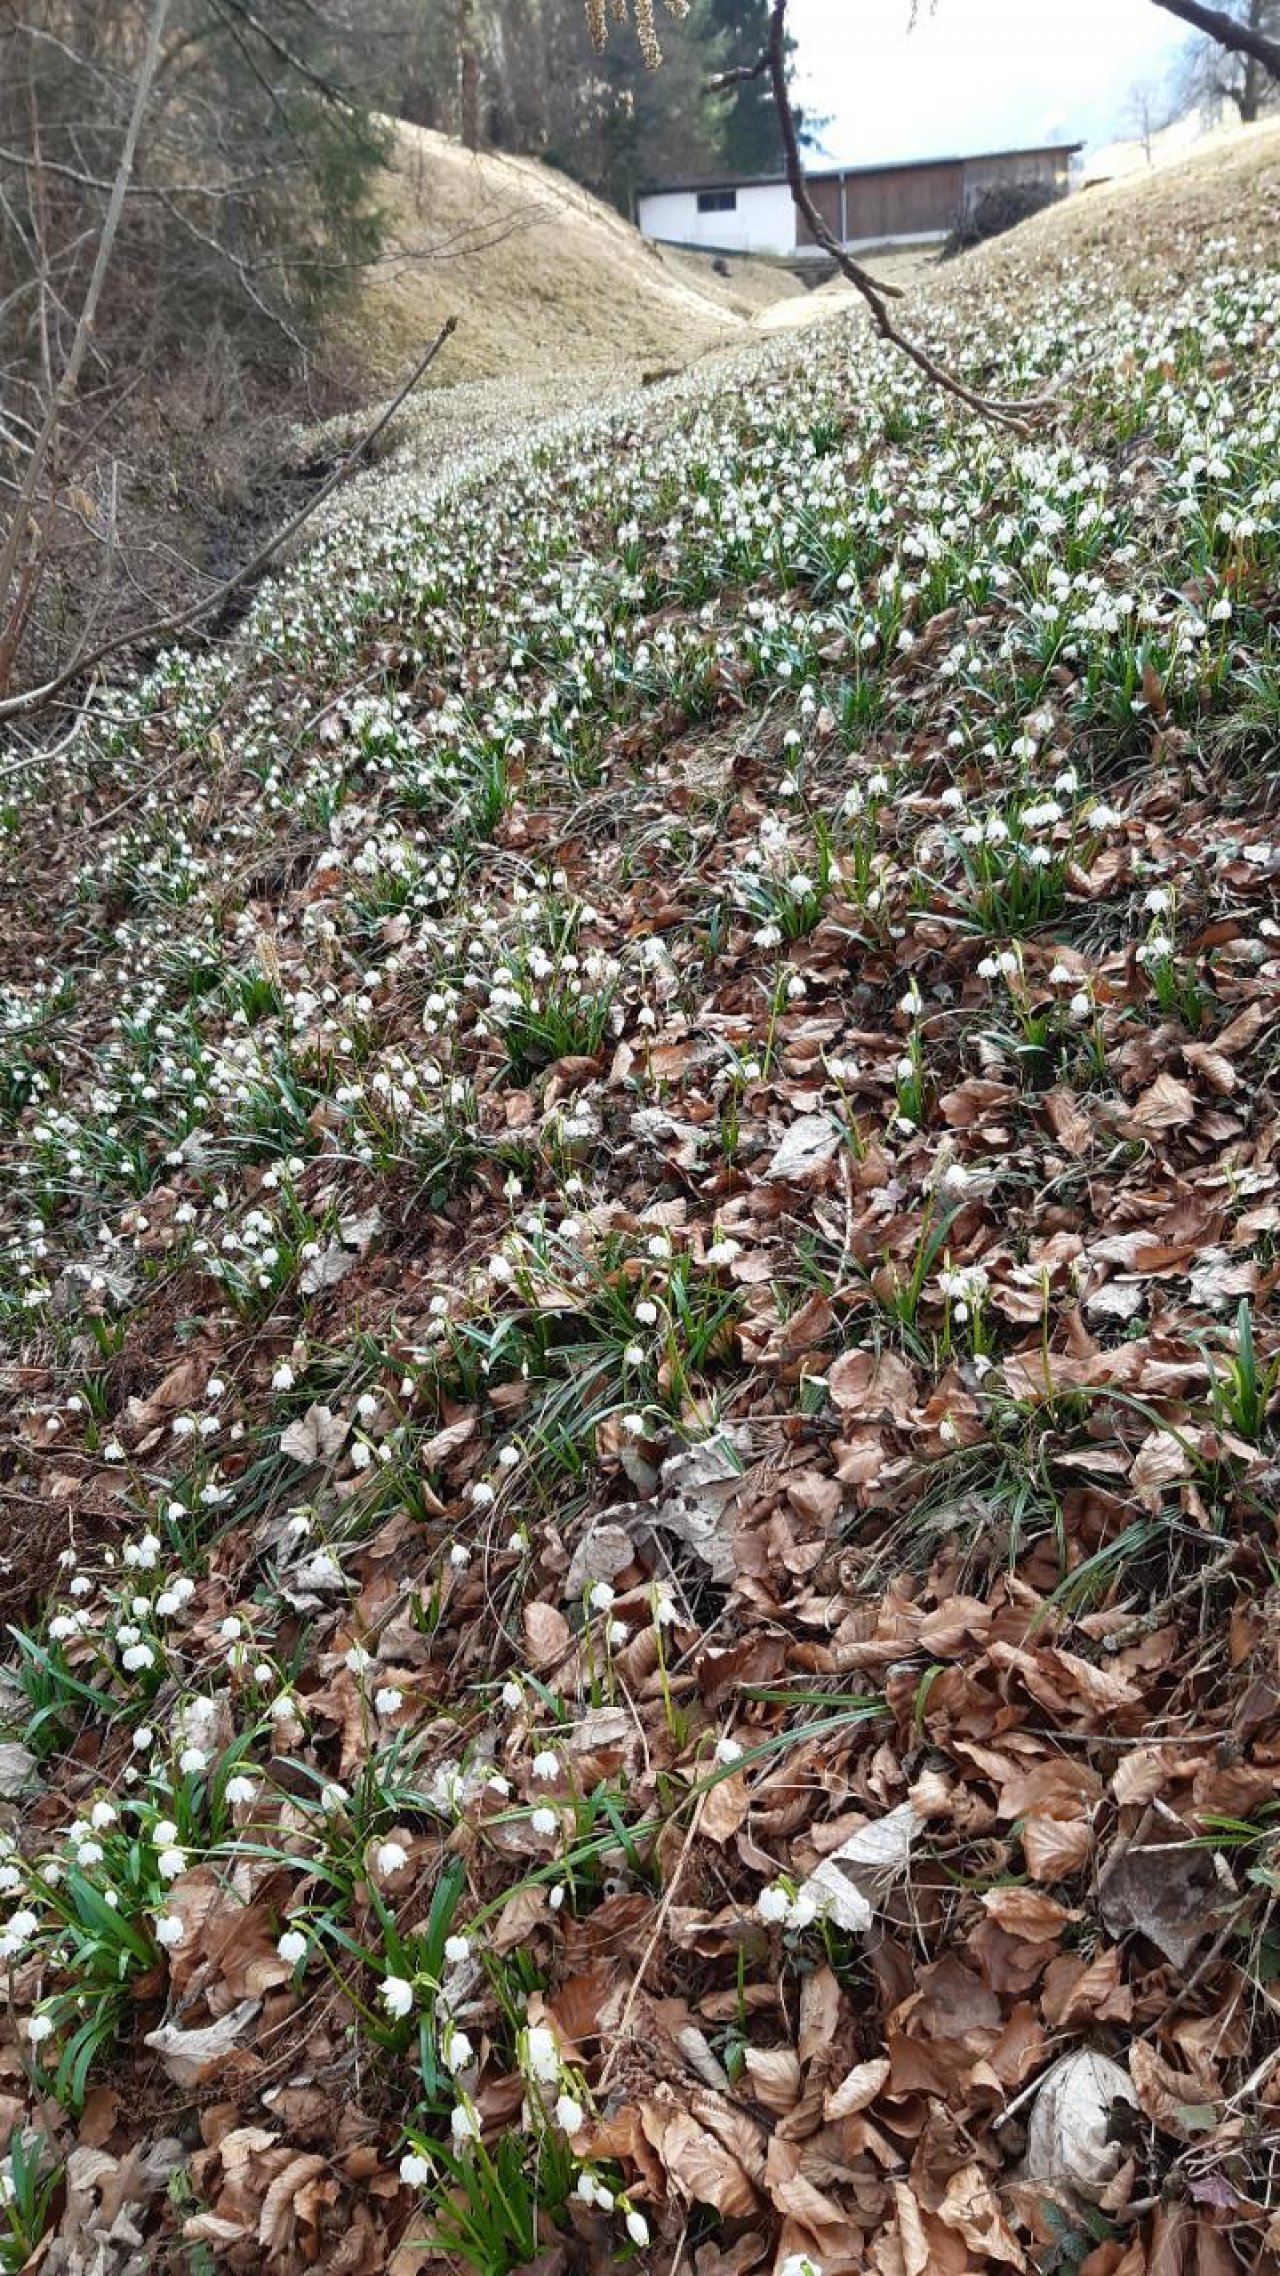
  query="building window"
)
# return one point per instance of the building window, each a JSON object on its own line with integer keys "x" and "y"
{"x": 717, "y": 201}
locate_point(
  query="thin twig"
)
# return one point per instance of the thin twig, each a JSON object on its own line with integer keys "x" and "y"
{"x": 168, "y": 627}
{"x": 1005, "y": 414}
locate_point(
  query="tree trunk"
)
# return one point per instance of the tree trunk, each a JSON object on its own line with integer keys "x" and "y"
{"x": 468, "y": 75}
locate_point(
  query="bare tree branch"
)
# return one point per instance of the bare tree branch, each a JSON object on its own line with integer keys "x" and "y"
{"x": 169, "y": 627}
{"x": 875, "y": 294}
{"x": 66, "y": 387}
{"x": 1228, "y": 31}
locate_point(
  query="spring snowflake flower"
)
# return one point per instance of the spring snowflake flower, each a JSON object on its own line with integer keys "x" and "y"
{"x": 292, "y": 1947}
{"x": 390, "y": 1857}
{"x": 169, "y": 1929}
{"x": 284, "y": 1378}
{"x": 570, "y": 2115}
{"x": 546, "y": 1765}
{"x": 800, "y": 2264}
{"x": 646, "y": 1313}
{"x": 544, "y": 1822}
{"x": 600, "y": 1597}
{"x": 240, "y": 1789}
{"x": 38, "y": 2028}
{"x": 482, "y": 1494}
{"x": 728, "y": 1750}
{"x": 512, "y": 1697}
{"x": 389, "y": 1700}
{"x": 464, "y": 2123}
{"x": 541, "y": 2054}
{"x": 637, "y": 2227}
{"x": 396, "y": 1994}
{"x": 415, "y": 2171}
{"x": 773, "y": 1905}
{"x": 457, "y": 1949}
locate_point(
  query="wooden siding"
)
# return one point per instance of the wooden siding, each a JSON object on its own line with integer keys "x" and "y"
{"x": 919, "y": 201}
{"x": 1050, "y": 166}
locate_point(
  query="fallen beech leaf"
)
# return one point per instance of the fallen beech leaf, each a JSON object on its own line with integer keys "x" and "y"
{"x": 1167, "y": 1105}
{"x": 846, "y": 1881}
{"x": 1067, "y": 2144}
{"x": 698, "y": 2166}
{"x": 805, "y": 1150}
{"x": 857, "y": 2089}
{"x": 317, "y": 1437}
{"x": 1166, "y": 1894}
{"x": 189, "y": 2057}
{"x": 548, "y": 1635}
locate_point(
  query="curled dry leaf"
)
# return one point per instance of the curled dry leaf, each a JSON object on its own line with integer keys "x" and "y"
{"x": 1069, "y": 2147}
{"x": 191, "y": 2057}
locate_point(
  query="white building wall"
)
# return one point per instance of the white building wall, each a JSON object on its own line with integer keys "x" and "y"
{"x": 763, "y": 221}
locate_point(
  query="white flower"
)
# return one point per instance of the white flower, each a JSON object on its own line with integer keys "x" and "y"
{"x": 728, "y": 1750}
{"x": 169, "y": 1863}
{"x": 546, "y": 1765}
{"x": 773, "y": 1905}
{"x": 164, "y": 1833}
{"x": 39, "y": 2027}
{"x": 541, "y": 2054}
{"x": 1157, "y": 901}
{"x": 512, "y": 1696}
{"x": 292, "y": 1946}
{"x": 332, "y": 1799}
{"x": 415, "y": 2171}
{"x": 137, "y": 1657}
{"x": 570, "y": 2115}
{"x": 637, "y": 2227}
{"x": 458, "y": 2050}
{"x": 544, "y": 1822}
{"x": 241, "y": 1789}
{"x": 457, "y": 1949}
{"x": 101, "y": 1816}
{"x": 169, "y": 1929}
{"x": 482, "y": 1494}
{"x": 799, "y": 2264}
{"x": 388, "y": 1701}
{"x": 600, "y": 1597}
{"x": 464, "y": 2123}
{"x": 646, "y": 1313}
{"x": 283, "y": 1378}
{"x": 396, "y": 1995}
{"x": 390, "y": 1857}
{"x": 192, "y": 1760}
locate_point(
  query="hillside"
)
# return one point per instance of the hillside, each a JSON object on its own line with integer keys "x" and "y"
{"x": 638, "y": 1248}
{"x": 542, "y": 276}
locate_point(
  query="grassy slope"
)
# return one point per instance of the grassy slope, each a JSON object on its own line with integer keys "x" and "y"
{"x": 747, "y": 928}
{"x": 542, "y": 276}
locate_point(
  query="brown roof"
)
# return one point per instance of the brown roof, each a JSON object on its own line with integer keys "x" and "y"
{"x": 856, "y": 173}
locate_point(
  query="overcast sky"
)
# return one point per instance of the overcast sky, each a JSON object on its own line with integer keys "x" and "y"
{"x": 978, "y": 74}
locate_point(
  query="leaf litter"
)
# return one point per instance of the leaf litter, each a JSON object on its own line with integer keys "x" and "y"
{"x": 638, "y": 1266}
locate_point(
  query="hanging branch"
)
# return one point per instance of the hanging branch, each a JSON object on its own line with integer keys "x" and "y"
{"x": 876, "y": 295}
{"x": 1228, "y": 31}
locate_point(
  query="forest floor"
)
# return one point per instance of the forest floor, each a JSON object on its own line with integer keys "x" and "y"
{"x": 639, "y": 1232}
